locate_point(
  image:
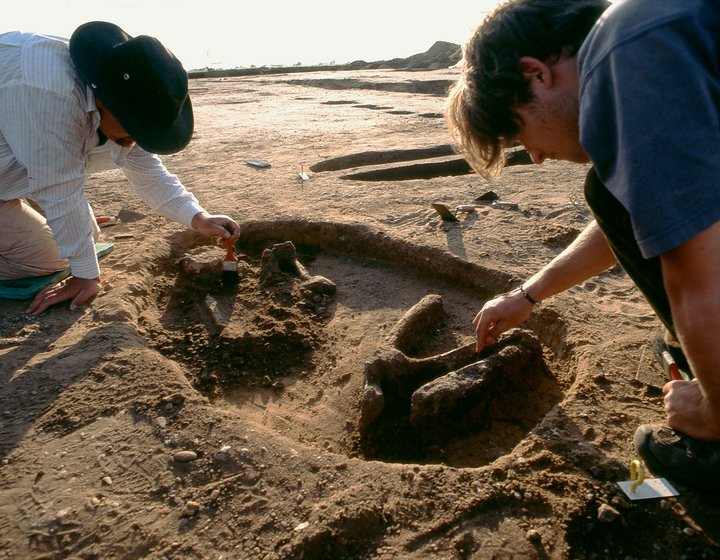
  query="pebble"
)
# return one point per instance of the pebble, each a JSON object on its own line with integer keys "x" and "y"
{"x": 161, "y": 421}
{"x": 224, "y": 454}
{"x": 533, "y": 535}
{"x": 93, "y": 503}
{"x": 107, "y": 480}
{"x": 607, "y": 514}
{"x": 177, "y": 398}
{"x": 191, "y": 509}
{"x": 185, "y": 456}
{"x": 62, "y": 516}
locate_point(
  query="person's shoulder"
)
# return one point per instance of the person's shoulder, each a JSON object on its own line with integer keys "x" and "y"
{"x": 627, "y": 20}
{"x": 45, "y": 48}
{"x": 636, "y": 15}
{"x": 30, "y": 42}
{"x": 45, "y": 62}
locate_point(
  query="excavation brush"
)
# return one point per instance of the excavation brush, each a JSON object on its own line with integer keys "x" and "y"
{"x": 229, "y": 264}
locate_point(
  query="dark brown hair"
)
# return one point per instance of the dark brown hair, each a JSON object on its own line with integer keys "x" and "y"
{"x": 480, "y": 108}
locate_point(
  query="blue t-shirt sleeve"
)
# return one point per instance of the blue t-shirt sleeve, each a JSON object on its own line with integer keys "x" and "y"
{"x": 650, "y": 123}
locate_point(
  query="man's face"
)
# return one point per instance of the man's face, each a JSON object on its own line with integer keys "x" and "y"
{"x": 550, "y": 128}
{"x": 550, "y": 131}
{"x": 111, "y": 128}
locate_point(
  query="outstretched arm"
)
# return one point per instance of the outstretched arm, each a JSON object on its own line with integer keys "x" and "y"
{"x": 691, "y": 273}
{"x": 584, "y": 258}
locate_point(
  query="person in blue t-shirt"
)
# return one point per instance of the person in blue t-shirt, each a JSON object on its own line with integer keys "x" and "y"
{"x": 634, "y": 89}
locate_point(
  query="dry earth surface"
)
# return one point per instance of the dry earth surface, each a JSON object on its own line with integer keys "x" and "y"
{"x": 287, "y": 416}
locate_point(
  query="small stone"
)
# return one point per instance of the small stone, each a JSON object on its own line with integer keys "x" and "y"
{"x": 107, "y": 481}
{"x": 185, "y": 456}
{"x": 93, "y": 503}
{"x": 176, "y": 398}
{"x": 191, "y": 509}
{"x": 223, "y": 454}
{"x": 607, "y": 514}
{"x": 62, "y": 516}
{"x": 301, "y": 526}
{"x": 161, "y": 421}
{"x": 533, "y": 535}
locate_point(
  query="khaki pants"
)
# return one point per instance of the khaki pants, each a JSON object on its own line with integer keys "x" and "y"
{"x": 27, "y": 247}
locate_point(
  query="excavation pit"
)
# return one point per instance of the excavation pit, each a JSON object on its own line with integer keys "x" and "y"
{"x": 437, "y": 162}
{"x": 289, "y": 345}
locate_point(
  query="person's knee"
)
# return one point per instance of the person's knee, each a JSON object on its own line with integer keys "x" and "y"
{"x": 27, "y": 247}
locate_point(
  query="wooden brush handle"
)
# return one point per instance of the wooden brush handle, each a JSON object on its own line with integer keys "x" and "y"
{"x": 230, "y": 255}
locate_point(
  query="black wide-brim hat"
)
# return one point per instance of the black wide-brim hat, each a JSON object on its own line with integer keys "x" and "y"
{"x": 140, "y": 82}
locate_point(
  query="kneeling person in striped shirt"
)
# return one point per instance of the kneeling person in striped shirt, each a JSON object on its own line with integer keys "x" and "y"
{"x": 68, "y": 108}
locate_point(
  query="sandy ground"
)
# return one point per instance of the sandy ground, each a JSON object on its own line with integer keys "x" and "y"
{"x": 179, "y": 417}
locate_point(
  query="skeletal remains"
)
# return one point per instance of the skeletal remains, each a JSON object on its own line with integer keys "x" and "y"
{"x": 450, "y": 391}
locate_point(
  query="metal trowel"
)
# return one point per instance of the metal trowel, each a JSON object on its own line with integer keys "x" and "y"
{"x": 445, "y": 213}
{"x": 492, "y": 199}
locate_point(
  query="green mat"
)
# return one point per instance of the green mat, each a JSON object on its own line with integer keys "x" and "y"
{"x": 26, "y": 288}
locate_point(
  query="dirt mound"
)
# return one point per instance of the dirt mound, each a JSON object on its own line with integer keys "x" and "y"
{"x": 441, "y": 55}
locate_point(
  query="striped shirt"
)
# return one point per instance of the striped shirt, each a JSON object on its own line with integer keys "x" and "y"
{"x": 49, "y": 143}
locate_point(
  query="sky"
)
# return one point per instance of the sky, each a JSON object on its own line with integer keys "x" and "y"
{"x": 233, "y": 33}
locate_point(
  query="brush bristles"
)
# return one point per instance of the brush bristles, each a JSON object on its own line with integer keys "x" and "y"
{"x": 229, "y": 272}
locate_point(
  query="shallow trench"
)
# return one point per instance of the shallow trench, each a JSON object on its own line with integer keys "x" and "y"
{"x": 440, "y": 163}
{"x": 298, "y": 360}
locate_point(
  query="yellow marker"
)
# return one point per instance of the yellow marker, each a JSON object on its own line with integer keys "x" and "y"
{"x": 637, "y": 474}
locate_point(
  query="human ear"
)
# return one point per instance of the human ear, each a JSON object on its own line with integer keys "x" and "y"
{"x": 536, "y": 71}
